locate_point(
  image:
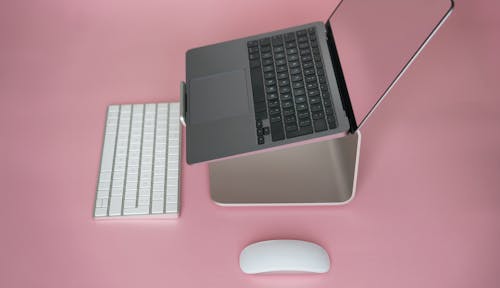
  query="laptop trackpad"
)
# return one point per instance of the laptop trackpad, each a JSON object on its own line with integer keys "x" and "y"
{"x": 222, "y": 95}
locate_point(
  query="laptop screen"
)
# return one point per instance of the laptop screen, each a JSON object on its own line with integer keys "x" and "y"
{"x": 377, "y": 40}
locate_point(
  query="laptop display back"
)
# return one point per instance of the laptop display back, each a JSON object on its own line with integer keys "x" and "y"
{"x": 376, "y": 41}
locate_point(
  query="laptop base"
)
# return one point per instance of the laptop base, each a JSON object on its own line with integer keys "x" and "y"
{"x": 320, "y": 173}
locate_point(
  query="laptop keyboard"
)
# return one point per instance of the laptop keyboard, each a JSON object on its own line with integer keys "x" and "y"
{"x": 289, "y": 86}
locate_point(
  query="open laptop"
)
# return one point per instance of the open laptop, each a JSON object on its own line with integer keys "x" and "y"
{"x": 289, "y": 85}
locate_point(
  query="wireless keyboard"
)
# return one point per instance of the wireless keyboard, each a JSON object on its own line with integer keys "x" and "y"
{"x": 140, "y": 170}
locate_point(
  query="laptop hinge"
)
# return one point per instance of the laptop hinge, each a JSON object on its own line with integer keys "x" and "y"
{"x": 339, "y": 75}
{"x": 183, "y": 103}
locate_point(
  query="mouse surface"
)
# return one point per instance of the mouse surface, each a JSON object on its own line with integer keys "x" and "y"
{"x": 284, "y": 256}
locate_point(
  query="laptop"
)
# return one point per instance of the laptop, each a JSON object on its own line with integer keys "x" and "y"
{"x": 288, "y": 86}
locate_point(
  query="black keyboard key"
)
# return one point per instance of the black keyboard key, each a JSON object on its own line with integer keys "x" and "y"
{"x": 285, "y": 97}
{"x": 290, "y": 36}
{"x": 285, "y": 90}
{"x": 267, "y": 55}
{"x": 305, "y": 122}
{"x": 318, "y": 115}
{"x": 265, "y": 130}
{"x": 327, "y": 103}
{"x": 254, "y": 63}
{"x": 293, "y": 57}
{"x": 292, "y": 134}
{"x": 267, "y": 62}
{"x": 320, "y": 125}
{"x": 316, "y": 108}
{"x": 292, "y": 127}
{"x": 323, "y": 87}
{"x": 269, "y": 68}
{"x": 307, "y": 65}
{"x": 294, "y": 64}
{"x": 332, "y": 123}
{"x": 277, "y": 131}
{"x": 280, "y": 62}
{"x": 306, "y": 58}
{"x": 265, "y": 41}
{"x": 291, "y": 51}
{"x": 254, "y": 56}
{"x": 272, "y": 96}
{"x": 296, "y": 85}
{"x": 290, "y": 119}
{"x": 273, "y": 104}
{"x": 271, "y": 89}
{"x": 261, "y": 115}
{"x": 258, "y": 124}
{"x": 305, "y": 52}
{"x": 308, "y": 72}
{"x": 277, "y": 40}
{"x": 288, "y": 112}
{"x": 279, "y": 55}
{"x": 301, "y": 107}
{"x": 275, "y": 111}
{"x": 322, "y": 79}
{"x": 268, "y": 75}
{"x": 302, "y": 39}
{"x": 313, "y": 92}
{"x": 276, "y": 118}
{"x": 252, "y": 43}
{"x": 314, "y": 100}
{"x": 257, "y": 87}
{"x": 302, "y": 33}
{"x": 295, "y": 71}
{"x": 320, "y": 72}
{"x": 296, "y": 77}
{"x": 299, "y": 92}
{"x": 286, "y": 104}
{"x": 291, "y": 44}
{"x": 305, "y": 130}
{"x": 326, "y": 95}
{"x": 304, "y": 114}
{"x": 253, "y": 49}
{"x": 278, "y": 48}
{"x": 310, "y": 79}
{"x": 260, "y": 132}
{"x": 303, "y": 45}
{"x": 300, "y": 99}
{"x": 260, "y": 140}
{"x": 314, "y": 44}
{"x": 281, "y": 69}
{"x": 266, "y": 48}
{"x": 311, "y": 86}
{"x": 329, "y": 111}
{"x": 270, "y": 82}
{"x": 282, "y": 76}
{"x": 311, "y": 31}
{"x": 283, "y": 82}
{"x": 260, "y": 106}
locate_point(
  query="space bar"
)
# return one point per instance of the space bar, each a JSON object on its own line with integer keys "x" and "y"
{"x": 258, "y": 91}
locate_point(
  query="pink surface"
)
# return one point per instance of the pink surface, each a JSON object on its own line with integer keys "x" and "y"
{"x": 427, "y": 207}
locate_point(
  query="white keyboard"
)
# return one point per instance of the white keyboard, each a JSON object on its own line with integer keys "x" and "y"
{"x": 140, "y": 162}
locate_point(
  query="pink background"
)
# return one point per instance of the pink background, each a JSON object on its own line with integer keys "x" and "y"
{"x": 427, "y": 211}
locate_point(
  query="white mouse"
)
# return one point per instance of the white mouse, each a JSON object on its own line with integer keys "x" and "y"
{"x": 284, "y": 256}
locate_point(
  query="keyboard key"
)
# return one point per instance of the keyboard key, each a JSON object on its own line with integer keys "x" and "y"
{"x": 254, "y": 56}
{"x": 253, "y": 49}
{"x": 305, "y": 122}
{"x": 272, "y": 96}
{"x": 288, "y": 112}
{"x": 286, "y": 96}
{"x": 276, "y": 118}
{"x": 277, "y": 132}
{"x": 300, "y": 99}
{"x": 292, "y": 127}
{"x": 285, "y": 90}
{"x": 265, "y": 41}
{"x": 293, "y": 57}
{"x": 316, "y": 108}
{"x": 270, "y": 82}
{"x": 252, "y": 43}
{"x": 267, "y": 62}
{"x": 304, "y": 114}
{"x": 296, "y": 77}
{"x": 257, "y": 87}
{"x": 305, "y": 130}
{"x": 260, "y": 106}
{"x": 297, "y": 84}
{"x": 283, "y": 82}
{"x": 302, "y": 33}
{"x": 290, "y": 119}
{"x": 314, "y": 100}
{"x": 318, "y": 115}
{"x": 320, "y": 125}
{"x": 275, "y": 111}
{"x": 260, "y": 140}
